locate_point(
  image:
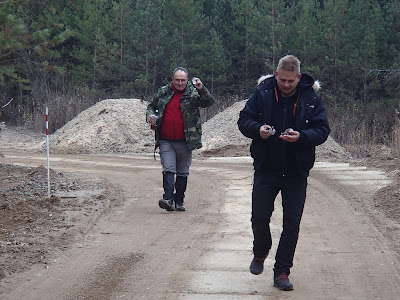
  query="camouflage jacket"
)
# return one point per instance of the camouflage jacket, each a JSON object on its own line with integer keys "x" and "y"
{"x": 191, "y": 101}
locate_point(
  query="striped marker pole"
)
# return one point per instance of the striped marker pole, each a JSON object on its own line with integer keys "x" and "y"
{"x": 47, "y": 151}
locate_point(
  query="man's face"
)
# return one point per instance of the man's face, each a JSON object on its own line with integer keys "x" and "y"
{"x": 287, "y": 81}
{"x": 180, "y": 80}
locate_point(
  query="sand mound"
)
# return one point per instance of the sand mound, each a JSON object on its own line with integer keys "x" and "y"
{"x": 221, "y": 135}
{"x": 110, "y": 126}
{"x": 118, "y": 126}
{"x": 222, "y": 129}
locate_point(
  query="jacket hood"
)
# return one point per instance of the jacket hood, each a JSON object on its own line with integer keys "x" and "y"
{"x": 305, "y": 81}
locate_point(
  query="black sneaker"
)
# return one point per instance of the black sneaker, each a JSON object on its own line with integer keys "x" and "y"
{"x": 281, "y": 281}
{"x": 179, "y": 207}
{"x": 166, "y": 204}
{"x": 257, "y": 265}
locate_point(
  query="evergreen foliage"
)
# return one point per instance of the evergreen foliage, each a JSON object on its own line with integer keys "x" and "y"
{"x": 128, "y": 48}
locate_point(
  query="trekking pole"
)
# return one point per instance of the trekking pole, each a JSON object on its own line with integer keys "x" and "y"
{"x": 47, "y": 151}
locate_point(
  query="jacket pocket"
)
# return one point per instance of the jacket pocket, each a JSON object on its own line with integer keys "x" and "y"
{"x": 258, "y": 151}
{"x": 308, "y": 158}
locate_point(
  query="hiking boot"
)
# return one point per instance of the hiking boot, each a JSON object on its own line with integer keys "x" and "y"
{"x": 281, "y": 281}
{"x": 166, "y": 204}
{"x": 179, "y": 207}
{"x": 257, "y": 265}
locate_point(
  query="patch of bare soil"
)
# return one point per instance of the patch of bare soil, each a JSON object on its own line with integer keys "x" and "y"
{"x": 34, "y": 227}
{"x": 386, "y": 201}
{"x": 381, "y": 157}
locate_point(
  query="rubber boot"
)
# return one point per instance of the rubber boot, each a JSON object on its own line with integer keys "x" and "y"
{"x": 168, "y": 198}
{"x": 180, "y": 189}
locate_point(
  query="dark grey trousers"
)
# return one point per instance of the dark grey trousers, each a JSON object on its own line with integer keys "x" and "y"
{"x": 176, "y": 158}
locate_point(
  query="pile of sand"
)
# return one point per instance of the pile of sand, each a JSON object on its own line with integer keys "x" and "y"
{"x": 221, "y": 135}
{"x": 118, "y": 126}
{"x": 110, "y": 126}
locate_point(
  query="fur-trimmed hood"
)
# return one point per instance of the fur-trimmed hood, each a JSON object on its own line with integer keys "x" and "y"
{"x": 305, "y": 81}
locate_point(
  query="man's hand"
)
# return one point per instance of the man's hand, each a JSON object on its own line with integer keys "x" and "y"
{"x": 153, "y": 121}
{"x": 290, "y": 135}
{"x": 197, "y": 83}
{"x": 266, "y": 131}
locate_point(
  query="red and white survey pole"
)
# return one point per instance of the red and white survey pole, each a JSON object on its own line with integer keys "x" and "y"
{"x": 47, "y": 151}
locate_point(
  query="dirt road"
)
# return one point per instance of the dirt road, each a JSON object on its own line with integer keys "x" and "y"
{"x": 139, "y": 251}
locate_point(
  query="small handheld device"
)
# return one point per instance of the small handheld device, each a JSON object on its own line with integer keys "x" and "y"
{"x": 286, "y": 132}
{"x": 272, "y": 130}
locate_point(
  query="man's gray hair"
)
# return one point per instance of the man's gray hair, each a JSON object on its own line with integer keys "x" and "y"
{"x": 289, "y": 63}
{"x": 180, "y": 69}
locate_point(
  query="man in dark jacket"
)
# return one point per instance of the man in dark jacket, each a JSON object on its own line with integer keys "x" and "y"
{"x": 286, "y": 120}
{"x": 174, "y": 113}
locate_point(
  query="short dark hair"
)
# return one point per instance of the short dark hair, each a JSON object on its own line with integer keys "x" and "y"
{"x": 180, "y": 69}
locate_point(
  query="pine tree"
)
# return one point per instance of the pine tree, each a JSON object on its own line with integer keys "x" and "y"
{"x": 362, "y": 47}
{"x": 221, "y": 19}
{"x": 218, "y": 64}
{"x": 333, "y": 26}
{"x": 306, "y": 31}
{"x": 14, "y": 39}
{"x": 146, "y": 41}
{"x": 187, "y": 34}
{"x": 95, "y": 53}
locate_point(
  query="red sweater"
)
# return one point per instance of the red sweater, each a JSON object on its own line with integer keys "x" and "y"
{"x": 172, "y": 122}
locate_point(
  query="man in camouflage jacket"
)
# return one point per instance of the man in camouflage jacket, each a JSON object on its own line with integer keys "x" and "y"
{"x": 174, "y": 113}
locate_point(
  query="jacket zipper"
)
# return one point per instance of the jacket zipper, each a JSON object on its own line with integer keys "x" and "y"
{"x": 284, "y": 150}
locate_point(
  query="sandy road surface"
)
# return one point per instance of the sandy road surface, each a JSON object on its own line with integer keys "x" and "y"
{"x": 139, "y": 251}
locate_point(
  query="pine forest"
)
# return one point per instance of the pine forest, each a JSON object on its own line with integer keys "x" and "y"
{"x": 68, "y": 55}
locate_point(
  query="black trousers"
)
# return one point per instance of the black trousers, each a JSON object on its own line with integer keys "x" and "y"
{"x": 265, "y": 189}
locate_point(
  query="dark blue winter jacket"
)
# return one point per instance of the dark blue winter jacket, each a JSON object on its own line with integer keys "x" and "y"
{"x": 309, "y": 118}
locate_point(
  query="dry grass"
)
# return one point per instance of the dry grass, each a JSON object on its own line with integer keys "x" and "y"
{"x": 395, "y": 142}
